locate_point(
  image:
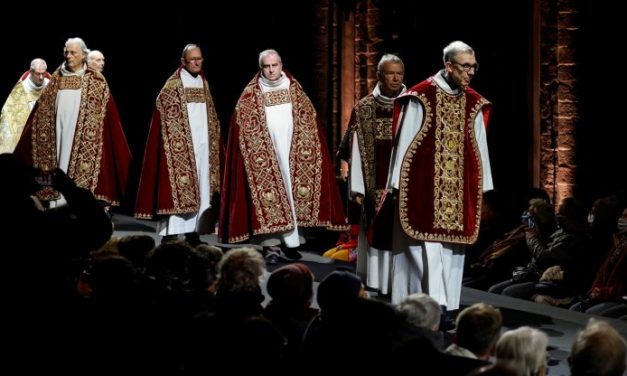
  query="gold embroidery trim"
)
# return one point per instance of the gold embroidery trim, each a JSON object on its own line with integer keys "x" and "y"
{"x": 369, "y": 129}
{"x": 267, "y": 189}
{"x": 305, "y": 159}
{"x": 403, "y": 191}
{"x": 178, "y": 146}
{"x": 69, "y": 83}
{"x": 213, "y": 126}
{"x": 195, "y": 95}
{"x": 448, "y": 180}
{"x": 84, "y": 165}
{"x": 268, "y": 194}
{"x": 405, "y": 168}
{"x": 276, "y": 97}
{"x": 85, "y": 157}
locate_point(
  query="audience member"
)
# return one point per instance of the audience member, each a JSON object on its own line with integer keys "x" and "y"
{"x": 523, "y": 349}
{"x": 598, "y": 350}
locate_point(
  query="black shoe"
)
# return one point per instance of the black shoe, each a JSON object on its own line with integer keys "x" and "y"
{"x": 292, "y": 253}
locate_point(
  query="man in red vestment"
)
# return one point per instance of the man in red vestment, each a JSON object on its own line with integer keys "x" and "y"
{"x": 278, "y": 176}
{"x": 75, "y": 126}
{"x": 180, "y": 177}
{"x": 367, "y": 145}
{"x": 438, "y": 171}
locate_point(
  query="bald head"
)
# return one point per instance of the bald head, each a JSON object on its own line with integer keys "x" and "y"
{"x": 96, "y": 60}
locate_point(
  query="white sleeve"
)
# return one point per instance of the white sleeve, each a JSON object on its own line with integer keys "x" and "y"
{"x": 356, "y": 173}
{"x": 482, "y": 143}
{"x": 411, "y": 121}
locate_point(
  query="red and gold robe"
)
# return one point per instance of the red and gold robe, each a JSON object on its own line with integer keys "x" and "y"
{"x": 371, "y": 122}
{"x": 440, "y": 185}
{"x": 100, "y": 158}
{"x": 169, "y": 179}
{"x": 254, "y": 198}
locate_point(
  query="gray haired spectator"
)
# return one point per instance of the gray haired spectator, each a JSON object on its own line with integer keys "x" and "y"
{"x": 524, "y": 349}
{"x": 598, "y": 350}
{"x": 421, "y": 310}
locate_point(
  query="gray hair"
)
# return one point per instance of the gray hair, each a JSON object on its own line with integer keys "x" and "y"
{"x": 80, "y": 42}
{"x": 388, "y": 58}
{"x": 37, "y": 62}
{"x": 240, "y": 270}
{"x": 421, "y": 310}
{"x": 524, "y": 349}
{"x": 455, "y": 48}
{"x": 267, "y": 52}
{"x": 190, "y": 46}
{"x": 598, "y": 350}
{"x": 90, "y": 55}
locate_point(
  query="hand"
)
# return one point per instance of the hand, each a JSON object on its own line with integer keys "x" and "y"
{"x": 594, "y": 293}
{"x": 61, "y": 180}
{"x": 358, "y": 199}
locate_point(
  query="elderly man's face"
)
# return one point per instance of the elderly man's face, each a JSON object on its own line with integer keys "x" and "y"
{"x": 96, "y": 61}
{"x": 74, "y": 57}
{"x": 38, "y": 75}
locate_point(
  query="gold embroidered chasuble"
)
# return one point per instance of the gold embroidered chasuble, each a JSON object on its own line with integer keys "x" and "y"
{"x": 178, "y": 146}
{"x": 251, "y": 160}
{"x": 84, "y": 165}
{"x": 373, "y": 125}
{"x": 440, "y": 187}
{"x": 14, "y": 114}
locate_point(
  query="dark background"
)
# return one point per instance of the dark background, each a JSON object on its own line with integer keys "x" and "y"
{"x": 142, "y": 51}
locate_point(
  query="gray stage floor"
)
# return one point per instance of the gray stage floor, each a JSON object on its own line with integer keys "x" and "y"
{"x": 559, "y": 324}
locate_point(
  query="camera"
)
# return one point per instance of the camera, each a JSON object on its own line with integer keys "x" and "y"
{"x": 43, "y": 178}
{"x": 528, "y": 219}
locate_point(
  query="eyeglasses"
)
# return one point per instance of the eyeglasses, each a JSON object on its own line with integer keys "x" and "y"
{"x": 467, "y": 67}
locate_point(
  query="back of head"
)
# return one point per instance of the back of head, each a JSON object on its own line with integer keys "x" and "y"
{"x": 571, "y": 209}
{"x": 337, "y": 289}
{"x": 478, "y": 328}
{"x": 240, "y": 270}
{"x": 170, "y": 260}
{"x": 606, "y": 211}
{"x": 421, "y": 310}
{"x": 524, "y": 349}
{"x": 136, "y": 248}
{"x": 111, "y": 277}
{"x": 598, "y": 350}
{"x": 291, "y": 285}
{"x": 203, "y": 266}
